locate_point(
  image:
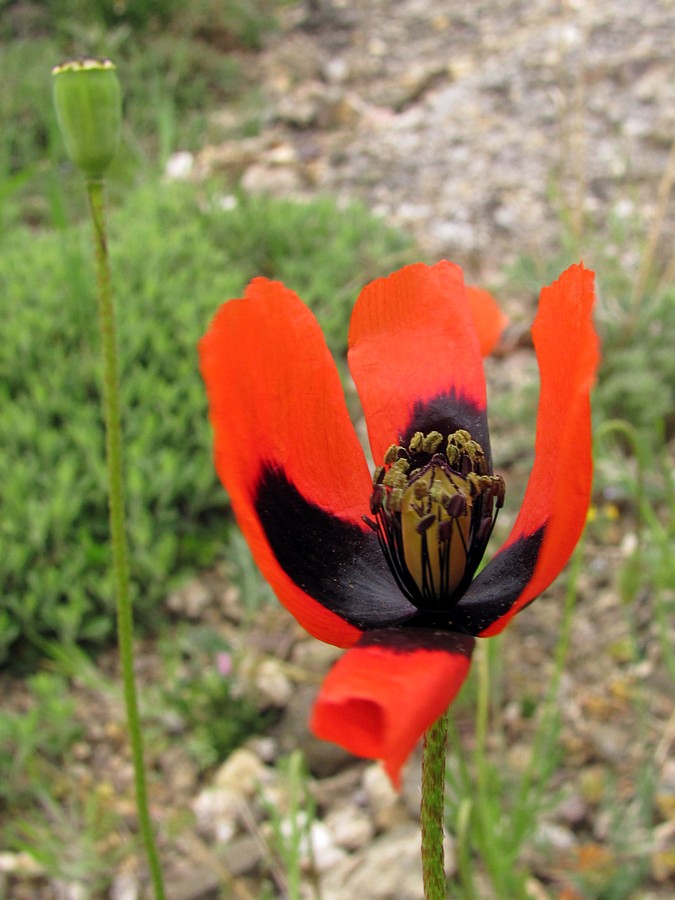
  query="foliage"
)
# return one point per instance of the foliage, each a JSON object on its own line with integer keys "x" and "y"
{"x": 230, "y": 22}
{"x": 216, "y": 718}
{"x": 177, "y": 62}
{"x": 291, "y": 824}
{"x": 35, "y": 738}
{"x": 494, "y": 810}
{"x": 644, "y": 488}
{"x": 53, "y": 815}
{"x": 75, "y": 840}
{"x": 174, "y": 261}
{"x": 637, "y": 379}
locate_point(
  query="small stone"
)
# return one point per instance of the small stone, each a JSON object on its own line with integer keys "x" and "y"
{"x": 411, "y": 782}
{"x": 217, "y": 813}
{"x": 179, "y": 166}
{"x": 329, "y": 792}
{"x": 189, "y": 600}
{"x": 336, "y": 70}
{"x": 70, "y": 890}
{"x": 572, "y": 810}
{"x": 603, "y": 824}
{"x": 385, "y": 804}
{"x": 243, "y": 854}
{"x": 125, "y": 886}
{"x": 172, "y": 722}
{"x": 351, "y": 826}
{"x": 229, "y": 600}
{"x": 609, "y": 742}
{"x": 273, "y": 686}
{"x": 315, "y": 656}
{"x": 301, "y": 107}
{"x": 519, "y": 757}
{"x": 274, "y": 180}
{"x": 81, "y": 750}
{"x": 241, "y": 773}
{"x": 115, "y": 733}
{"x": 282, "y": 154}
{"x": 325, "y": 852}
{"x": 377, "y": 47}
{"x": 231, "y": 157}
{"x": 535, "y": 890}
{"x": 265, "y": 748}
{"x": 200, "y": 883}
{"x": 180, "y": 772}
{"x": 550, "y": 836}
{"x": 19, "y": 864}
{"x": 390, "y": 868}
{"x": 668, "y": 773}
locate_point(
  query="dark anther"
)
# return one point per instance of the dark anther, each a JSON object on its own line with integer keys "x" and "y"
{"x": 376, "y": 499}
{"x": 484, "y": 530}
{"x": 425, "y": 523}
{"x": 454, "y": 506}
{"x": 445, "y": 531}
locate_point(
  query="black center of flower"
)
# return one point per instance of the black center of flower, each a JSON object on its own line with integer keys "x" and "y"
{"x": 434, "y": 509}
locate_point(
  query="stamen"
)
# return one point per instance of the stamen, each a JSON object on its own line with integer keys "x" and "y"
{"x": 434, "y": 513}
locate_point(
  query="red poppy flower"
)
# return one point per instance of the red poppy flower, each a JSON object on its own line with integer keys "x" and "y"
{"x": 385, "y": 564}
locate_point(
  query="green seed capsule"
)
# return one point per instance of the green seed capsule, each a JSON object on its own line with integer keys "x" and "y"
{"x": 88, "y": 102}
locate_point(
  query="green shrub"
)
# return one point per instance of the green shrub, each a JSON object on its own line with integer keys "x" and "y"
{"x": 176, "y": 255}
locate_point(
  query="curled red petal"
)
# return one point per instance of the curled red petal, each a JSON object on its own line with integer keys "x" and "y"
{"x": 382, "y": 695}
{"x": 554, "y": 509}
{"x": 488, "y": 318}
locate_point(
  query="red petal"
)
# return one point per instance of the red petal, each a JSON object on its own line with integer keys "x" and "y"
{"x": 380, "y": 698}
{"x": 488, "y": 319}
{"x": 559, "y": 489}
{"x": 276, "y": 400}
{"x": 412, "y": 340}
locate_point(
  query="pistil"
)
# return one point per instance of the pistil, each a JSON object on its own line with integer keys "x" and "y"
{"x": 434, "y": 510}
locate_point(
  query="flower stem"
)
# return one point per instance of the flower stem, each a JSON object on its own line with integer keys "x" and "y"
{"x": 120, "y": 555}
{"x": 433, "y": 809}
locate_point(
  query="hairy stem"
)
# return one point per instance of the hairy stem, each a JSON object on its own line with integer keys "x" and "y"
{"x": 433, "y": 809}
{"x": 120, "y": 554}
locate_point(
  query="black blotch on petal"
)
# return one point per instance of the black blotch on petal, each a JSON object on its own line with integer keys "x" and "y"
{"x": 335, "y": 562}
{"x": 408, "y": 640}
{"x": 447, "y": 413}
{"x": 494, "y": 591}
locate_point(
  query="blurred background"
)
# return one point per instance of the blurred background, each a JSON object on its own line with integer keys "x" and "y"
{"x": 326, "y": 143}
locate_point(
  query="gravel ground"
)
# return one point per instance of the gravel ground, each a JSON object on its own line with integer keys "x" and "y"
{"x": 473, "y": 127}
